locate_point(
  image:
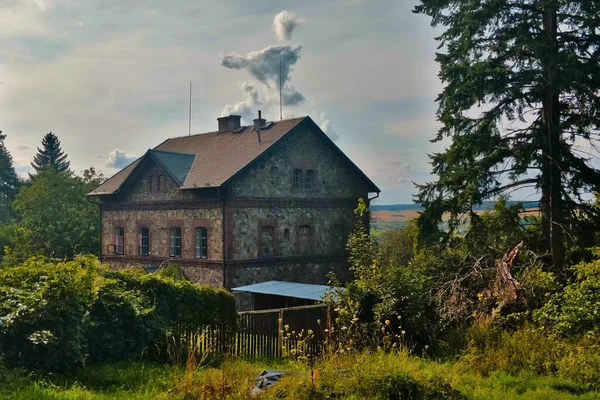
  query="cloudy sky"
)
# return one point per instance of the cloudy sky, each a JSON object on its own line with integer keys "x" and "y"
{"x": 111, "y": 77}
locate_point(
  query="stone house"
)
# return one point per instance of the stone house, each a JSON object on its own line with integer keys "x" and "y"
{"x": 242, "y": 205}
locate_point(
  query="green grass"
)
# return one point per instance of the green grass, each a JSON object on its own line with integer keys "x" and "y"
{"x": 358, "y": 376}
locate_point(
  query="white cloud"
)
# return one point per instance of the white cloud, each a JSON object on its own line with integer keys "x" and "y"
{"x": 246, "y": 107}
{"x": 284, "y": 24}
{"x": 325, "y": 125}
{"x": 80, "y": 24}
{"x": 118, "y": 159}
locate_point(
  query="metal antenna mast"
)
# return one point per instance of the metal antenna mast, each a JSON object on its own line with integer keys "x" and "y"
{"x": 280, "y": 102}
{"x": 190, "y": 113}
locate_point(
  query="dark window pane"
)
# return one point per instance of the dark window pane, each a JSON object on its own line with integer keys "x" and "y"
{"x": 151, "y": 183}
{"x": 201, "y": 242}
{"x": 304, "y": 239}
{"x": 161, "y": 184}
{"x": 175, "y": 242}
{"x": 297, "y": 179}
{"x": 310, "y": 179}
{"x": 144, "y": 241}
{"x": 267, "y": 239}
{"x": 286, "y": 234}
{"x": 119, "y": 240}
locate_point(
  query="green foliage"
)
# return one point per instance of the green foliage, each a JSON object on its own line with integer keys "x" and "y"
{"x": 360, "y": 246}
{"x": 71, "y": 223}
{"x": 58, "y": 316}
{"x": 520, "y": 90}
{"x": 575, "y": 310}
{"x": 172, "y": 271}
{"x": 9, "y": 182}
{"x": 529, "y": 350}
{"x": 51, "y": 156}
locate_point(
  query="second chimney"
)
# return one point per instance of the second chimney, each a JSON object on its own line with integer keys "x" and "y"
{"x": 259, "y": 122}
{"x": 229, "y": 123}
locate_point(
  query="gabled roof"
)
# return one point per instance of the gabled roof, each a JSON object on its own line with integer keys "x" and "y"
{"x": 287, "y": 289}
{"x": 177, "y": 165}
{"x": 212, "y": 159}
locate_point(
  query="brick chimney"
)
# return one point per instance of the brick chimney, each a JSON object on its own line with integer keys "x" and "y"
{"x": 258, "y": 122}
{"x": 229, "y": 123}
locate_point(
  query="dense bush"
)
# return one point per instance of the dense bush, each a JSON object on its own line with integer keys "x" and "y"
{"x": 59, "y": 316}
{"x": 575, "y": 310}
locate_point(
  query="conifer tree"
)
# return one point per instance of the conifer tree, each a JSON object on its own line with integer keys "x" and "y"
{"x": 521, "y": 106}
{"x": 9, "y": 182}
{"x": 51, "y": 156}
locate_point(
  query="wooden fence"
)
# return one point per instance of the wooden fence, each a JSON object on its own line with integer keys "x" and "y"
{"x": 273, "y": 333}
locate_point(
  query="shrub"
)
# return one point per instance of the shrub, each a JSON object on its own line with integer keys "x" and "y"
{"x": 56, "y": 316}
{"x": 574, "y": 310}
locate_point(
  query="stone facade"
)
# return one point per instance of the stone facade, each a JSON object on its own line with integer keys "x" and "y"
{"x": 273, "y": 174}
{"x": 285, "y": 217}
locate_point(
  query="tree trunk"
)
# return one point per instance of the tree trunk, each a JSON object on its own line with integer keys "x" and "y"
{"x": 553, "y": 217}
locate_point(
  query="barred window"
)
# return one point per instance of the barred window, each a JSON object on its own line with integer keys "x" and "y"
{"x": 201, "y": 242}
{"x": 119, "y": 240}
{"x": 310, "y": 179}
{"x": 297, "y": 179}
{"x": 144, "y": 241}
{"x": 175, "y": 242}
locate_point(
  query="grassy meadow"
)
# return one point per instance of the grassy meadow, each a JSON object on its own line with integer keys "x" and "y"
{"x": 379, "y": 375}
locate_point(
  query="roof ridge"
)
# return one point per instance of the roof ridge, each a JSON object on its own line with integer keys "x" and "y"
{"x": 171, "y": 152}
{"x": 242, "y": 126}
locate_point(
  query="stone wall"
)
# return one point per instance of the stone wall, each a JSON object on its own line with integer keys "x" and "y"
{"x": 311, "y": 231}
{"x": 273, "y": 174}
{"x": 140, "y": 187}
{"x": 158, "y": 222}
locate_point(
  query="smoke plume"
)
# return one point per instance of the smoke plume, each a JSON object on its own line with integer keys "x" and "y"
{"x": 246, "y": 107}
{"x": 284, "y": 24}
{"x": 326, "y": 127}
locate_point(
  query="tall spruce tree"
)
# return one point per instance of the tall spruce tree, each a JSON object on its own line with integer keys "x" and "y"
{"x": 9, "y": 182}
{"x": 521, "y": 101}
{"x": 51, "y": 156}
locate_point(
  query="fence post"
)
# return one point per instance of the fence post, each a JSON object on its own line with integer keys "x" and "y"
{"x": 328, "y": 311}
{"x": 280, "y": 332}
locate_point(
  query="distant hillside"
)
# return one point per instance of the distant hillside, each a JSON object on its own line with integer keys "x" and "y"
{"x": 486, "y": 205}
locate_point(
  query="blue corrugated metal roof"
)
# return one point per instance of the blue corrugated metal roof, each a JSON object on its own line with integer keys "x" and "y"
{"x": 177, "y": 165}
{"x": 288, "y": 289}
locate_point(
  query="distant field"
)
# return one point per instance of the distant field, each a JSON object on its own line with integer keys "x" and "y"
{"x": 404, "y": 215}
{"x": 382, "y": 220}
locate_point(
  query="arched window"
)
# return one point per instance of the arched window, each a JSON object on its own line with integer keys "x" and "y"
{"x": 201, "y": 242}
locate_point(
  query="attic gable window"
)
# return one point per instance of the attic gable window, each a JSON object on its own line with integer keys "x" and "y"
{"x": 297, "y": 179}
{"x": 160, "y": 186}
{"x": 310, "y": 179}
{"x": 152, "y": 183}
{"x": 175, "y": 242}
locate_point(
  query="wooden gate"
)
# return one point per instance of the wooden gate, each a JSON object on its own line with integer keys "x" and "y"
{"x": 278, "y": 332}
